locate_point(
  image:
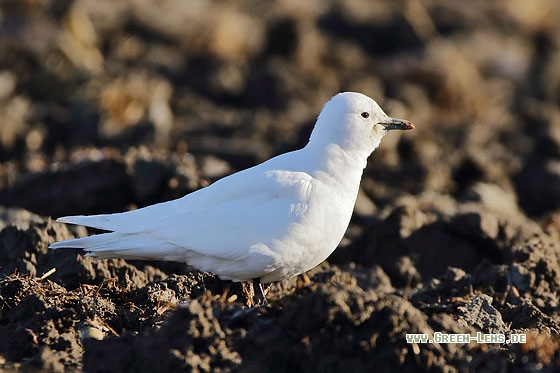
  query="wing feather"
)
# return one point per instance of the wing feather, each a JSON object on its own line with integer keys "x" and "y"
{"x": 223, "y": 220}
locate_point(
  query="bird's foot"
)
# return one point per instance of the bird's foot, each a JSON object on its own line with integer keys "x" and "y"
{"x": 259, "y": 297}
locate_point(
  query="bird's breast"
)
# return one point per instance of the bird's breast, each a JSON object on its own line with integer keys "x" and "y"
{"x": 318, "y": 227}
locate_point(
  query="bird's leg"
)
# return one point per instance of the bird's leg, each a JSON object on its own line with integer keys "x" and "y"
{"x": 259, "y": 299}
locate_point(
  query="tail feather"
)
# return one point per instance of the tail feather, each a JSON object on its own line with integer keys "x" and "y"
{"x": 125, "y": 246}
{"x": 93, "y": 221}
{"x": 133, "y": 221}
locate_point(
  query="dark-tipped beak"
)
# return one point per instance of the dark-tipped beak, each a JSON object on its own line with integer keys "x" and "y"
{"x": 397, "y": 124}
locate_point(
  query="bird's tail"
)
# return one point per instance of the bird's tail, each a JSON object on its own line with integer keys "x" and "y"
{"x": 125, "y": 246}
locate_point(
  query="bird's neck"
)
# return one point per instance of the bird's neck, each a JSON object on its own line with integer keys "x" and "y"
{"x": 334, "y": 162}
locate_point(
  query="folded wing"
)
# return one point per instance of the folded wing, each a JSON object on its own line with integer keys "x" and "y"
{"x": 205, "y": 228}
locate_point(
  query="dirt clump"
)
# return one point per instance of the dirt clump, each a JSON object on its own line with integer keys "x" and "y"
{"x": 110, "y": 106}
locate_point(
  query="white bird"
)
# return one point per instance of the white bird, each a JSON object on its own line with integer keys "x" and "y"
{"x": 266, "y": 223}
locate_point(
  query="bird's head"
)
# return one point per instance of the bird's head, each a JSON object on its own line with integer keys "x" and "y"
{"x": 354, "y": 122}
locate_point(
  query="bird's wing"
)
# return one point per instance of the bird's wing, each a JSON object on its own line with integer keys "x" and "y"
{"x": 221, "y": 220}
{"x": 134, "y": 221}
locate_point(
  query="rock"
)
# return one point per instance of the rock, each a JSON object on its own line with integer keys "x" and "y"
{"x": 480, "y": 313}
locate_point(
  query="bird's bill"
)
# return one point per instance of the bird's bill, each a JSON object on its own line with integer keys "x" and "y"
{"x": 396, "y": 124}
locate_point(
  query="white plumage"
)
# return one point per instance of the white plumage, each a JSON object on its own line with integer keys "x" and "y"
{"x": 269, "y": 222}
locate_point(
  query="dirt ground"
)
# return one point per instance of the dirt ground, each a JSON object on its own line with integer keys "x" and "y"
{"x": 112, "y": 105}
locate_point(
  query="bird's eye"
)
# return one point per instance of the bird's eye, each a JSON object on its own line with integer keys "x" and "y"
{"x": 365, "y": 114}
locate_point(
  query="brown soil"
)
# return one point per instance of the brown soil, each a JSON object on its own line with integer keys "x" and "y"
{"x": 107, "y": 106}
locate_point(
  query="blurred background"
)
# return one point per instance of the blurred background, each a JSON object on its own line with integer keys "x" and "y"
{"x": 107, "y": 105}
